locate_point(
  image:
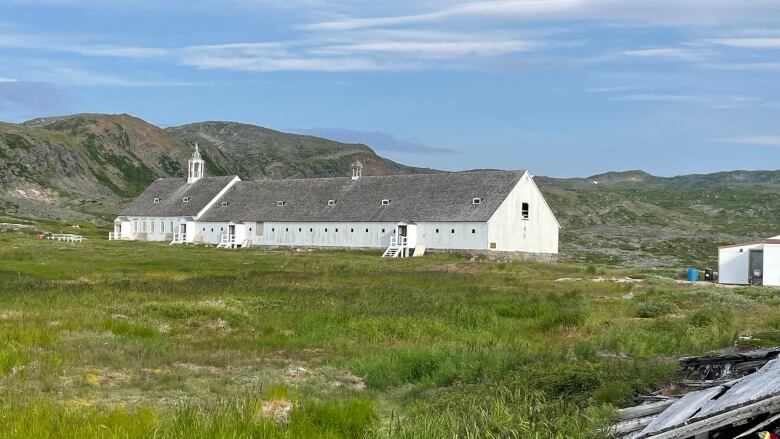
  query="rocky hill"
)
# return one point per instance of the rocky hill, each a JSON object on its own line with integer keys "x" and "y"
{"x": 84, "y": 167}
{"x": 266, "y": 153}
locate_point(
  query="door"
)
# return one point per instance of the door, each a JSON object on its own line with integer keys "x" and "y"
{"x": 402, "y": 231}
{"x": 231, "y": 233}
{"x": 756, "y": 273}
{"x": 183, "y": 232}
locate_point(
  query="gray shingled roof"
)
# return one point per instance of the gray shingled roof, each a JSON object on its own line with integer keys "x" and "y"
{"x": 171, "y": 192}
{"x": 422, "y": 197}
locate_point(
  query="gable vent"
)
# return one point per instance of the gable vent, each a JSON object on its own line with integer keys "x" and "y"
{"x": 280, "y": 203}
{"x": 385, "y": 202}
{"x": 476, "y": 200}
{"x": 156, "y": 200}
{"x": 186, "y": 199}
{"x": 332, "y": 202}
{"x": 225, "y": 204}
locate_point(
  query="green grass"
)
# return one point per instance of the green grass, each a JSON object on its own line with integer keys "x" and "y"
{"x": 124, "y": 339}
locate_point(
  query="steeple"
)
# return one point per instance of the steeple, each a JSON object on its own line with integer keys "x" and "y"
{"x": 357, "y": 169}
{"x": 195, "y": 166}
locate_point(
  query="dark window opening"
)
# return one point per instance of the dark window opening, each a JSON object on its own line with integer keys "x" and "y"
{"x": 453, "y": 230}
{"x": 286, "y": 229}
{"x": 311, "y": 230}
{"x": 351, "y": 230}
{"x": 337, "y": 230}
{"x": 326, "y": 230}
{"x": 437, "y": 230}
{"x": 273, "y": 229}
{"x": 524, "y": 211}
{"x": 383, "y": 230}
{"x": 366, "y": 230}
{"x": 473, "y": 230}
{"x": 300, "y": 229}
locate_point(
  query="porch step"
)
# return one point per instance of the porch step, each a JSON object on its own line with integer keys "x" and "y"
{"x": 392, "y": 252}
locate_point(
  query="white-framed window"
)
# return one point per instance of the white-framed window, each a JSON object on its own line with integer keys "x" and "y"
{"x": 331, "y": 202}
{"x": 156, "y": 200}
{"x": 385, "y": 202}
{"x": 525, "y": 211}
{"x": 476, "y": 200}
{"x": 280, "y": 203}
{"x": 171, "y": 224}
{"x": 259, "y": 229}
{"x": 151, "y": 225}
{"x": 162, "y": 226}
{"x": 143, "y": 226}
{"x": 225, "y": 204}
{"x": 135, "y": 226}
{"x": 186, "y": 199}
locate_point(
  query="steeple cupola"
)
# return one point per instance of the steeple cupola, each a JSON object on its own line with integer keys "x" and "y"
{"x": 357, "y": 169}
{"x": 195, "y": 166}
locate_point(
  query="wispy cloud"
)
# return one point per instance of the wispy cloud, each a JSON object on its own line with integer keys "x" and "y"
{"x": 669, "y": 53}
{"x": 747, "y": 43}
{"x": 690, "y": 12}
{"x": 754, "y": 66}
{"x": 659, "y": 98}
{"x": 758, "y": 140}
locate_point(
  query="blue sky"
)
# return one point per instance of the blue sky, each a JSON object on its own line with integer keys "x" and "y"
{"x": 560, "y": 87}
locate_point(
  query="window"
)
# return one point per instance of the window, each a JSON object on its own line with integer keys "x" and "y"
{"x": 337, "y": 230}
{"x": 286, "y": 229}
{"x": 326, "y": 230}
{"x": 476, "y": 200}
{"x": 331, "y": 202}
{"x": 171, "y": 224}
{"x": 212, "y": 229}
{"x": 162, "y": 226}
{"x": 383, "y": 230}
{"x": 385, "y": 202}
{"x": 152, "y": 226}
{"x": 492, "y": 245}
{"x": 225, "y": 204}
{"x": 300, "y": 229}
{"x": 135, "y": 226}
{"x": 311, "y": 230}
{"x": 186, "y": 199}
{"x": 279, "y": 203}
{"x": 221, "y": 229}
{"x": 453, "y": 230}
{"x": 273, "y": 229}
{"x": 366, "y": 230}
{"x": 204, "y": 229}
{"x": 473, "y": 231}
{"x": 143, "y": 226}
{"x": 437, "y": 230}
{"x": 156, "y": 200}
{"x": 524, "y": 211}
{"x": 351, "y": 230}
{"x": 259, "y": 230}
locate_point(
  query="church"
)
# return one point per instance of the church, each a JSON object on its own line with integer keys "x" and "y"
{"x": 490, "y": 211}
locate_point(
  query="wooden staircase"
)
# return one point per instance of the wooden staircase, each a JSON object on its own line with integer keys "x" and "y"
{"x": 396, "y": 249}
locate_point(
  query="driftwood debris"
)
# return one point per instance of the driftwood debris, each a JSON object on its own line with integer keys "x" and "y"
{"x": 725, "y": 395}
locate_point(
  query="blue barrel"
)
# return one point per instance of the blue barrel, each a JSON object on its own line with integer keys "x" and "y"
{"x": 693, "y": 275}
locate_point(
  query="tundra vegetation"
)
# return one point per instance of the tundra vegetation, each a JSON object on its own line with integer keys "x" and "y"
{"x": 136, "y": 340}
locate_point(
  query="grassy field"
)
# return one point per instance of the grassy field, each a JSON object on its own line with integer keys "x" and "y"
{"x": 135, "y": 340}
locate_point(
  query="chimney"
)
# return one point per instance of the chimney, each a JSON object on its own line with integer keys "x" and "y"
{"x": 357, "y": 169}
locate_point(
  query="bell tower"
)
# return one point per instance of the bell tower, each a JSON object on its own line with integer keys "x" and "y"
{"x": 357, "y": 169}
{"x": 195, "y": 166}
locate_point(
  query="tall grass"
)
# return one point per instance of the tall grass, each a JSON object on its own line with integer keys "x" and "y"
{"x": 119, "y": 339}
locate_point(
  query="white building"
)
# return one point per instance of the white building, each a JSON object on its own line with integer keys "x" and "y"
{"x": 752, "y": 263}
{"x": 501, "y": 211}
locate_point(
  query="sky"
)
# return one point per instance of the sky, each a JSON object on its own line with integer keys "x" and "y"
{"x": 560, "y": 87}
